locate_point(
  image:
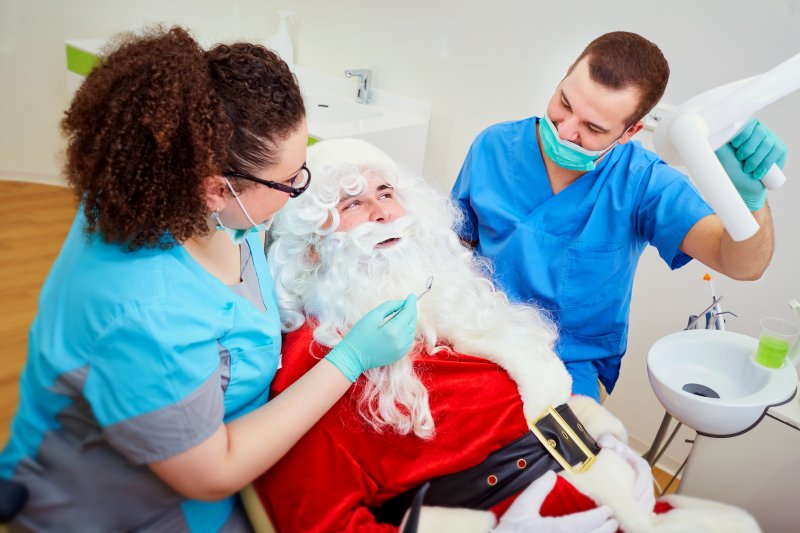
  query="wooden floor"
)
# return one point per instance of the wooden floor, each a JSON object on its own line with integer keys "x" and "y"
{"x": 34, "y": 220}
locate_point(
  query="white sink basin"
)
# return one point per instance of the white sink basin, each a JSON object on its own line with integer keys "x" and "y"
{"x": 708, "y": 380}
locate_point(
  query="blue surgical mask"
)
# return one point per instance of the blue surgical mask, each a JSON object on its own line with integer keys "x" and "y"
{"x": 238, "y": 236}
{"x": 567, "y": 154}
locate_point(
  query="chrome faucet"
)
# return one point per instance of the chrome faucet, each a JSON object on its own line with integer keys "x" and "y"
{"x": 364, "y": 75}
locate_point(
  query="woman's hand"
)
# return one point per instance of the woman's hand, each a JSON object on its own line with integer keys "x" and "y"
{"x": 372, "y": 342}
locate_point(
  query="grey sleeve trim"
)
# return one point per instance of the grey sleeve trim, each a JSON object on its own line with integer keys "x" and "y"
{"x": 173, "y": 429}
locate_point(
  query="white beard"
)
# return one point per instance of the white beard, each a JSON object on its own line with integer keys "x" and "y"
{"x": 462, "y": 309}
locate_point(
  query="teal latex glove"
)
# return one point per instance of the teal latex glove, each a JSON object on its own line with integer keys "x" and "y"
{"x": 747, "y": 157}
{"x": 758, "y": 148}
{"x": 369, "y": 345}
{"x": 750, "y": 189}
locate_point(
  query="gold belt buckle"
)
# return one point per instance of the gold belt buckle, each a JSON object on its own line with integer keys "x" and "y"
{"x": 550, "y": 444}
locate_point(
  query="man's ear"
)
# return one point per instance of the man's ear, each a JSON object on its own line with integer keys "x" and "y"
{"x": 630, "y": 132}
{"x": 215, "y": 193}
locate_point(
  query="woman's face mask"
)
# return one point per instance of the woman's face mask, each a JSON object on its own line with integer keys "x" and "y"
{"x": 567, "y": 154}
{"x": 238, "y": 236}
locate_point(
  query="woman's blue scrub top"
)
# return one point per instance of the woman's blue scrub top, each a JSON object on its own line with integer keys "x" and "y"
{"x": 574, "y": 253}
{"x": 133, "y": 358}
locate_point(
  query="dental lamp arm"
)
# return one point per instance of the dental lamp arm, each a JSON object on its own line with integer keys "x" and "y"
{"x": 748, "y": 157}
{"x": 688, "y": 136}
{"x": 745, "y": 159}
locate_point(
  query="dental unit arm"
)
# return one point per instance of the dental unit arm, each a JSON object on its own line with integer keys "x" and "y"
{"x": 696, "y": 128}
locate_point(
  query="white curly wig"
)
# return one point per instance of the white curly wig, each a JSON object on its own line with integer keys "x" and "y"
{"x": 341, "y": 166}
{"x": 463, "y": 311}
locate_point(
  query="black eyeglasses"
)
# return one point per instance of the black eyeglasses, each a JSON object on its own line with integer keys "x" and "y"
{"x": 298, "y": 184}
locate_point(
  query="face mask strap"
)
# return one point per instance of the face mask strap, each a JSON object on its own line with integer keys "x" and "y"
{"x": 215, "y": 216}
{"x": 580, "y": 149}
{"x": 238, "y": 201}
{"x": 612, "y": 145}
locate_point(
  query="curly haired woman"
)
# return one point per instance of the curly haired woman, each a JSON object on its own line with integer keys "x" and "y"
{"x": 144, "y": 400}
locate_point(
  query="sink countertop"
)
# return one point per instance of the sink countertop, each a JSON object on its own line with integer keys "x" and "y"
{"x": 389, "y": 111}
{"x": 394, "y": 123}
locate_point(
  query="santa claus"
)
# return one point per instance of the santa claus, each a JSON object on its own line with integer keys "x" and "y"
{"x": 478, "y": 421}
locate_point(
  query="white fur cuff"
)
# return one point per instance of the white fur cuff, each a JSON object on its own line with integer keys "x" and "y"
{"x": 596, "y": 419}
{"x": 455, "y": 520}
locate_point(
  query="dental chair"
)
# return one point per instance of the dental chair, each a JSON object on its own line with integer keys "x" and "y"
{"x": 13, "y": 497}
{"x": 255, "y": 511}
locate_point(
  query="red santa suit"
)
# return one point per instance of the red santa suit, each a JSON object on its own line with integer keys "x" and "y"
{"x": 342, "y": 467}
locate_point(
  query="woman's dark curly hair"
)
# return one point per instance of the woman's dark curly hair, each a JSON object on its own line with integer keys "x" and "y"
{"x": 157, "y": 116}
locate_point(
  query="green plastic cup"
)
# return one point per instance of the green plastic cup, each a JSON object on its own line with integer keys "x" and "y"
{"x": 776, "y": 338}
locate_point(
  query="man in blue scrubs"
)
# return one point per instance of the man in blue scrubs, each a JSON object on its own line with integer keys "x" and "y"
{"x": 564, "y": 205}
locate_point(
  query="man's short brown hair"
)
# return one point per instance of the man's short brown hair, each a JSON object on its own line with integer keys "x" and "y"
{"x": 622, "y": 59}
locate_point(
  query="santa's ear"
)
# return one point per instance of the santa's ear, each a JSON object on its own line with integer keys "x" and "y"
{"x": 333, "y": 218}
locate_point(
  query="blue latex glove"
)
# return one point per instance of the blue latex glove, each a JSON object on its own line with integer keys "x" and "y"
{"x": 746, "y": 159}
{"x": 368, "y": 344}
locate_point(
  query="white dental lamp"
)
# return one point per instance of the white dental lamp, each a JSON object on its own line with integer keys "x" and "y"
{"x": 695, "y": 129}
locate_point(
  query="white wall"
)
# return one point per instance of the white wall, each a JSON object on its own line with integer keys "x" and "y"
{"x": 33, "y": 86}
{"x": 477, "y": 63}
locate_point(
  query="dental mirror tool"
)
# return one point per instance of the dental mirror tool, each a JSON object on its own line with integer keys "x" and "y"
{"x": 428, "y": 285}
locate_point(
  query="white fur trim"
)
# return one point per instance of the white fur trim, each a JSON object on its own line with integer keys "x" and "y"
{"x": 704, "y": 515}
{"x": 610, "y": 482}
{"x": 596, "y": 419}
{"x": 541, "y": 377}
{"x": 455, "y": 520}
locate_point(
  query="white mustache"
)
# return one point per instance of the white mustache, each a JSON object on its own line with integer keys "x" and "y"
{"x": 366, "y": 236}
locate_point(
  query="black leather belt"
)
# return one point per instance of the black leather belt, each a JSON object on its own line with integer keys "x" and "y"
{"x": 560, "y": 431}
{"x": 557, "y": 441}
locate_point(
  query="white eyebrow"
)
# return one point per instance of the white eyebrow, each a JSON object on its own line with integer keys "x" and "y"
{"x": 380, "y": 188}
